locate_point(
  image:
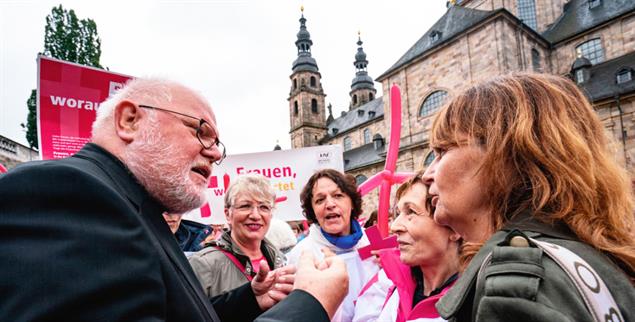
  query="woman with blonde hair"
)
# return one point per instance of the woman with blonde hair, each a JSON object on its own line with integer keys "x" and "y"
{"x": 236, "y": 257}
{"x": 524, "y": 173}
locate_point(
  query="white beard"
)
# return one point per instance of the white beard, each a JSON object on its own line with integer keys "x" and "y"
{"x": 158, "y": 166}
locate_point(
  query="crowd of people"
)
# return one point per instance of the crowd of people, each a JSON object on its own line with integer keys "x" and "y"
{"x": 523, "y": 215}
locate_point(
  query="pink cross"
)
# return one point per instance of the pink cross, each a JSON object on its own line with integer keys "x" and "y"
{"x": 386, "y": 178}
{"x": 376, "y": 242}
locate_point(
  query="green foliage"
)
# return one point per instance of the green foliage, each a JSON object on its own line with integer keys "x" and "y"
{"x": 31, "y": 124}
{"x": 68, "y": 38}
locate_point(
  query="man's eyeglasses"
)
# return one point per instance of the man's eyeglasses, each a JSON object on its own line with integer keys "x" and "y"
{"x": 204, "y": 132}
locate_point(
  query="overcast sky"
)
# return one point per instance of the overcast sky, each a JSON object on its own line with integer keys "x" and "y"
{"x": 238, "y": 54}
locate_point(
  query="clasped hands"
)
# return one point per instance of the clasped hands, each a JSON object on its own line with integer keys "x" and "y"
{"x": 326, "y": 280}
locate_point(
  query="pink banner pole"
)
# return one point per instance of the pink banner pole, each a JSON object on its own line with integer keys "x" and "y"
{"x": 387, "y": 177}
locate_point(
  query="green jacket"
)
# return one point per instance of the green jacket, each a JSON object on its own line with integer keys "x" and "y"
{"x": 218, "y": 274}
{"x": 523, "y": 284}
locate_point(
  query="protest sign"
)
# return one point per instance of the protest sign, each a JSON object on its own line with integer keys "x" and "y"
{"x": 287, "y": 170}
{"x": 69, "y": 95}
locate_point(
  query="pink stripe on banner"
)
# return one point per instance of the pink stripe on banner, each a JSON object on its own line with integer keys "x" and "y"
{"x": 206, "y": 211}
{"x": 213, "y": 182}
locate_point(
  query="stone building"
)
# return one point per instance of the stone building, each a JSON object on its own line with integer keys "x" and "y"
{"x": 590, "y": 41}
{"x": 13, "y": 153}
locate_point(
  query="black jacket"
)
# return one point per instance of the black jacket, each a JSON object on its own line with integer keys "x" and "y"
{"x": 83, "y": 241}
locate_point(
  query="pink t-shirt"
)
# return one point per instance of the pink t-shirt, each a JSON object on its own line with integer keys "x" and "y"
{"x": 255, "y": 263}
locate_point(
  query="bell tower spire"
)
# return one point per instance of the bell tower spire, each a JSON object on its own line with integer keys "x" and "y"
{"x": 306, "y": 98}
{"x": 362, "y": 88}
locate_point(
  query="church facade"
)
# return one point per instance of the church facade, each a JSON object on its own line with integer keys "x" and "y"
{"x": 590, "y": 41}
{"x": 13, "y": 153}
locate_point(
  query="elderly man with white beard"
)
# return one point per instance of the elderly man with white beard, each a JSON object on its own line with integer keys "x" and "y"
{"x": 84, "y": 238}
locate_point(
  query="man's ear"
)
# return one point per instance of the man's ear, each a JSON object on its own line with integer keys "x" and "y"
{"x": 127, "y": 118}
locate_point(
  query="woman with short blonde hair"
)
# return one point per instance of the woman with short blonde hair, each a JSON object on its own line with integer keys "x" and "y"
{"x": 235, "y": 258}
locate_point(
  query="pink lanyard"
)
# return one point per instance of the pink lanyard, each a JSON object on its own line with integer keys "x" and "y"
{"x": 236, "y": 262}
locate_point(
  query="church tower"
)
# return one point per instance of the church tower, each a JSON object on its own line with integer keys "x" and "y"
{"x": 362, "y": 87}
{"x": 306, "y": 98}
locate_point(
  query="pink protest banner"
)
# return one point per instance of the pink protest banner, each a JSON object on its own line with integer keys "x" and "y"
{"x": 67, "y": 101}
{"x": 2, "y": 169}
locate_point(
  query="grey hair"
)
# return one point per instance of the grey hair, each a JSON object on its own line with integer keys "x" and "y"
{"x": 149, "y": 91}
{"x": 250, "y": 184}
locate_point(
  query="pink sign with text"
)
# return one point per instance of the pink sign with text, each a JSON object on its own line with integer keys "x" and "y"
{"x": 69, "y": 95}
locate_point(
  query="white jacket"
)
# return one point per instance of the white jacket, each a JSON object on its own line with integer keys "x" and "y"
{"x": 359, "y": 272}
{"x": 388, "y": 296}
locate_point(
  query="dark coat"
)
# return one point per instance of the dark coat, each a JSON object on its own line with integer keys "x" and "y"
{"x": 524, "y": 284}
{"x": 83, "y": 241}
{"x": 191, "y": 234}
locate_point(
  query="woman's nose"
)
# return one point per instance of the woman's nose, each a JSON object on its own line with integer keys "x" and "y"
{"x": 330, "y": 202}
{"x": 397, "y": 225}
{"x": 428, "y": 175}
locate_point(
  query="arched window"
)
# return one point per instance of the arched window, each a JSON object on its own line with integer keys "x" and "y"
{"x": 312, "y": 81}
{"x": 429, "y": 159}
{"x": 354, "y": 98}
{"x": 366, "y": 136}
{"x": 378, "y": 141}
{"x": 432, "y": 103}
{"x": 624, "y": 75}
{"x": 347, "y": 143}
{"x": 295, "y": 83}
{"x": 535, "y": 59}
{"x": 592, "y": 50}
{"x": 314, "y": 108}
{"x": 360, "y": 178}
{"x": 527, "y": 12}
{"x": 370, "y": 96}
{"x": 295, "y": 107}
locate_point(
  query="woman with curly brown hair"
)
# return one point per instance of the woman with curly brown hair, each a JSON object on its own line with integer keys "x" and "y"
{"x": 523, "y": 171}
{"x": 332, "y": 204}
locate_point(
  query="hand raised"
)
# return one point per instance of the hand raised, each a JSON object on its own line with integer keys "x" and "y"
{"x": 271, "y": 287}
{"x": 327, "y": 281}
